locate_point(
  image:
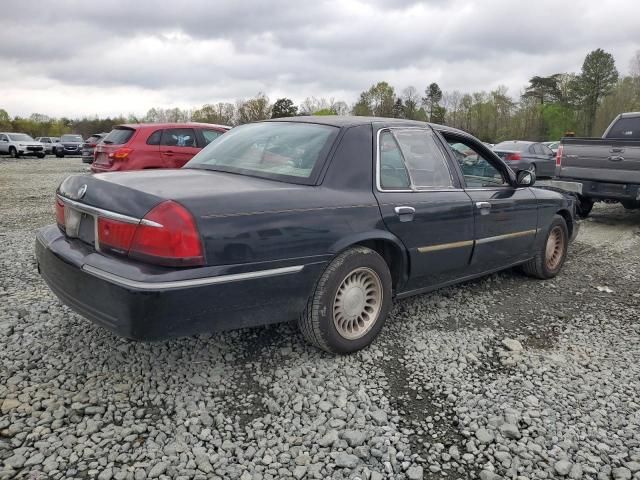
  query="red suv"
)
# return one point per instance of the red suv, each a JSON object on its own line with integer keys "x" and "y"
{"x": 153, "y": 145}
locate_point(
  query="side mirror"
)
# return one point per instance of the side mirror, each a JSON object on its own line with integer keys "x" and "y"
{"x": 525, "y": 178}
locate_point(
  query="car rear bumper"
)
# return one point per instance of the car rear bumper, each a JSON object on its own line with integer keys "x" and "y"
{"x": 611, "y": 191}
{"x": 145, "y": 309}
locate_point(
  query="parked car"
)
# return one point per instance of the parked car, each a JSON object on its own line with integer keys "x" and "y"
{"x": 154, "y": 145}
{"x": 89, "y": 146}
{"x": 608, "y": 168}
{"x": 324, "y": 219}
{"x": 20, "y": 144}
{"x": 48, "y": 143}
{"x": 533, "y": 156}
{"x": 69, "y": 144}
{"x": 552, "y": 145}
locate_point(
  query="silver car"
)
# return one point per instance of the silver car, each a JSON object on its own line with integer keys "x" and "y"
{"x": 20, "y": 144}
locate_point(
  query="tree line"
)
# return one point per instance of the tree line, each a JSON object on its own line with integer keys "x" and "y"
{"x": 548, "y": 108}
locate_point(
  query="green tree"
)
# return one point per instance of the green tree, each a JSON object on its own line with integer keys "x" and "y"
{"x": 324, "y": 112}
{"x": 596, "y": 81}
{"x": 254, "y": 109}
{"x": 398, "y": 108}
{"x": 432, "y": 100}
{"x": 411, "y": 102}
{"x": 219, "y": 113}
{"x": 378, "y": 101}
{"x": 283, "y": 107}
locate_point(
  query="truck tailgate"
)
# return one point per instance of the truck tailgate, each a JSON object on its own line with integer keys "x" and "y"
{"x": 615, "y": 161}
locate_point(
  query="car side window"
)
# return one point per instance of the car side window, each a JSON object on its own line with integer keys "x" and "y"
{"x": 477, "y": 170}
{"x": 3, "y": 138}
{"x": 412, "y": 155}
{"x": 393, "y": 173}
{"x": 546, "y": 150}
{"x": 178, "y": 137}
{"x": 210, "y": 135}
{"x": 154, "y": 138}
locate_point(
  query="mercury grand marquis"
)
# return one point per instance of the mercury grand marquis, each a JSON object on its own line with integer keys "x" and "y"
{"x": 321, "y": 219}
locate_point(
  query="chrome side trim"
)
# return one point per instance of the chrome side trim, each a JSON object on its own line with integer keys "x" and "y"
{"x": 83, "y": 207}
{"x": 194, "y": 282}
{"x": 506, "y": 236}
{"x": 445, "y": 246}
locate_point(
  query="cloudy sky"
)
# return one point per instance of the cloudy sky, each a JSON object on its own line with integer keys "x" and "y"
{"x": 77, "y": 58}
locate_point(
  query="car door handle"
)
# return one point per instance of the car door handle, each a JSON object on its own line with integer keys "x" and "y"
{"x": 615, "y": 158}
{"x": 169, "y": 152}
{"x": 404, "y": 210}
{"x": 484, "y": 207}
{"x": 405, "y": 213}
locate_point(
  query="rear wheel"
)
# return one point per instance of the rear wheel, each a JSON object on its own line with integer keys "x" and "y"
{"x": 551, "y": 255}
{"x": 350, "y": 302}
{"x": 13, "y": 152}
{"x": 532, "y": 168}
{"x": 630, "y": 204}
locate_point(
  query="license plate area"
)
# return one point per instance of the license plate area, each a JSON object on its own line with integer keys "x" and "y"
{"x": 72, "y": 219}
{"x": 79, "y": 225}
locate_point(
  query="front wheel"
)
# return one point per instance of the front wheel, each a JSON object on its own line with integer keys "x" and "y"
{"x": 552, "y": 253}
{"x": 41, "y": 155}
{"x": 350, "y": 302}
{"x": 59, "y": 155}
{"x": 584, "y": 206}
{"x": 14, "y": 153}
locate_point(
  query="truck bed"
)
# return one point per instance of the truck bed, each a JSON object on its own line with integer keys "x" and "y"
{"x": 615, "y": 161}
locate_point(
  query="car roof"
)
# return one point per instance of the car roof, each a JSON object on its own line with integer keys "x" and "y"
{"x": 172, "y": 125}
{"x": 630, "y": 114}
{"x": 353, "y": 120}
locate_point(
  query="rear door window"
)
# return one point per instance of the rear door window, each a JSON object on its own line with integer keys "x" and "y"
{"x": 210, "y": 135}
{"x": 119, "y": 136}
{"x": 178, "y": 137}
{"x": 154, "y": 138}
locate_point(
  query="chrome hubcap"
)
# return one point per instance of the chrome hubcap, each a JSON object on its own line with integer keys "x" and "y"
{"x": 554, "y": 249}
{"x": 357, "y": 303}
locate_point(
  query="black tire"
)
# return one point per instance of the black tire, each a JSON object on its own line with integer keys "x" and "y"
{"x": 630, "y": 204}
{"x": 533, "y": 169}
{"x": 13, "y": 152}
{"x": 584, "y": 206}
{"x": 59, "y": 155}
{"x": 318, "y": 321}
{"x": 41, "y": 155}
{"x": 547, "y": 264}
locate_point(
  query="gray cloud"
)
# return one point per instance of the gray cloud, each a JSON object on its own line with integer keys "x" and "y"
{"x": 131, "y": 53}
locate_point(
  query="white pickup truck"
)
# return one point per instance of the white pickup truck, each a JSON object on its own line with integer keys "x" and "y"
{"x": 20, "y": 144}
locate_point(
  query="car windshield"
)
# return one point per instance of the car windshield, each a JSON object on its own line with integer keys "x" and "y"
{"x": 71, "y": 138}
{"x": 20, "y": 137}
{"x": 278, "y": 150}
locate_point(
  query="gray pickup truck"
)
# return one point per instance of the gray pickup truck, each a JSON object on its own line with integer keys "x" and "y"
{"x": 608, "y": 168}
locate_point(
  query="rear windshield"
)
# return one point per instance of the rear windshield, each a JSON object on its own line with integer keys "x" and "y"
{"x": 119, "y": 135}
{"x": 279, "y": 150}
{"x": 626, "y": 128}
{"x": 514, "y": 146}
{"x": 71, "y": 138}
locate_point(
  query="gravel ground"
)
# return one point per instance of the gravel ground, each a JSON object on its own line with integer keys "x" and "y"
{"x": 501, "y": 377}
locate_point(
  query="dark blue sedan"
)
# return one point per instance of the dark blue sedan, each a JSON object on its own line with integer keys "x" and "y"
{"x": 323, "y": 219}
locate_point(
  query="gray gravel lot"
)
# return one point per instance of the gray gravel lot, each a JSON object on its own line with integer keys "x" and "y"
{"x": 501, "y": 377}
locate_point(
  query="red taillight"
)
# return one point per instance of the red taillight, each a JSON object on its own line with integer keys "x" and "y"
{"x": 121, "y": 153}
{"x": 115, "y": 235}
{"x": 59, "y": 212}
{"x": 513, "y": 156}
{"x": 559, "y": 156}
{"x": 168, "y": 236}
